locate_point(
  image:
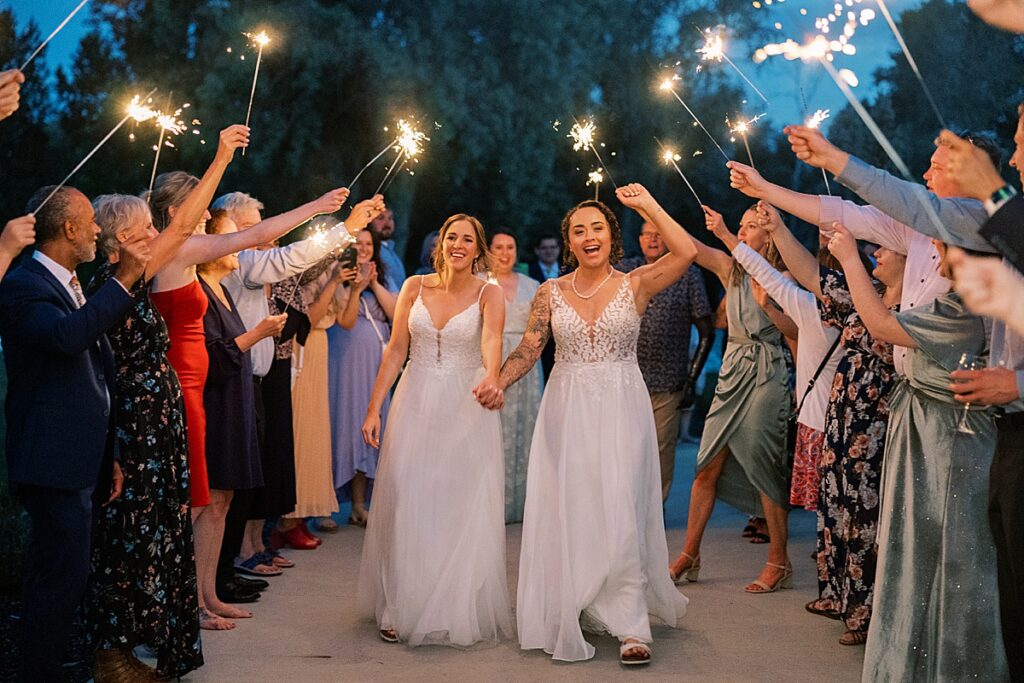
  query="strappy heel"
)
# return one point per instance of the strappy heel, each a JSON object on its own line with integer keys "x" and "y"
{"x": 688, "y": 575}
{"x": 632, "y": 645}
{"x": 785, "y": 581}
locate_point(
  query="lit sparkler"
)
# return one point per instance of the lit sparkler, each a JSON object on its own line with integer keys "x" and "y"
{"x": 408, "y": 144}
{"x": 669, "y": 156}
{"x": 714, "y": 51}
{"x": 743, "y": 128}
{"x": 595, "y": 178}
{"x": 668, "y": 84}
{"x": 319, "y": 238}
{"x": 168, "y": 123}
{"x": 136, "y": 110}
{"x": 814, "y": 121}
{"x": 582, "y": 135}
{"x": 260, "y": 41}
{"x": 57, "y": 30}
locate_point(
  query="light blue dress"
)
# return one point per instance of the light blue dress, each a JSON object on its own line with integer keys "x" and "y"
{"x": 354, "y": 358}
{"x": 936, "y": 604}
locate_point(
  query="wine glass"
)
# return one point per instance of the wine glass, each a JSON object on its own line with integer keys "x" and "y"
{"x": 968, "y": 361}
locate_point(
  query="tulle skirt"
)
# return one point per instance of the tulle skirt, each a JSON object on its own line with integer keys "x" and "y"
{"x": 433, "y": 565}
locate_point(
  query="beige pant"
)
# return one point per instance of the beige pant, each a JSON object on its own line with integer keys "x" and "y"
{"x": 666, "y": 423}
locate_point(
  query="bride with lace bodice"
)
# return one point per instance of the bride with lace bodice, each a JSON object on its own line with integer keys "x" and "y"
{"x": 594, "y": 549}
{"x": 433, "y": 566}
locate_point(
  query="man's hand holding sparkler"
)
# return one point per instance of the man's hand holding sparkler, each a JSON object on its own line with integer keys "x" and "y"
{"x": 970, "y": 167}
{"x": 811, "y": 147}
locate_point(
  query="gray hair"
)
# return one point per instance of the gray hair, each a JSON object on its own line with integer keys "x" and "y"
{"x": 233, "y": 202}
{"x": 116, "y": 213}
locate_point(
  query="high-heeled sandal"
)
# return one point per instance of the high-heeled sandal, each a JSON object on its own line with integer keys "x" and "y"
{"x": 643, "y": 657}
{"x": 388, "y": 635}
{"x": 688, "y": 575}
{"x": 853, "y": 638}
{"x": 784, "y": 581}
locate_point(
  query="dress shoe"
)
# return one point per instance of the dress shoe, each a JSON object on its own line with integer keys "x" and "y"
{"x": 234, "y": 592}
{"x": 305, "y": 530}
{"x": 251, "y": 584}
{"x": 119, "y": 665}
{"x": 296, "y": 539}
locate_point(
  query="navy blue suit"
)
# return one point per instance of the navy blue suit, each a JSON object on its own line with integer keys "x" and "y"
{"x": 1005, "y": 231}
{"x": 60, "y": 442}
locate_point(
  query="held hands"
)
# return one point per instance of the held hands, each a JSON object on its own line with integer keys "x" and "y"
{"x": 747, "y": 180}
{"x": 970, "y": 167}
{"x": 330, "y": 201}
{"x": 636, "y": 197}
{"x": 132, "y": 257}
{"x": 18, "y": 234}
{"x": 231, "y": 138}
{"x": 842, "y": 244}
{"x": 10, "y": 92}
{"x": 371, "y": 429}
{"x": 364, "y": 212}
{"x": 271, "y": 326}
{"x": 489, "y": 394}
{"x": 811, "y": 147}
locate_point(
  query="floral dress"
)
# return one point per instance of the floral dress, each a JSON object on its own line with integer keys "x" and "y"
{"x": 851, "y": 460}
{"x": 143, "y": 584}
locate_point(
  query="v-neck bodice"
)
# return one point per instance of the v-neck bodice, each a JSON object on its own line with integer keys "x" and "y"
{"x": 456, "y": 345}
{"x": 612, "y": 336}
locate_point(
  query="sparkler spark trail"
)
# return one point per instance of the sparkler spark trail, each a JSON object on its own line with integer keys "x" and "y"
{"x": 582, "y": 135}
{"x": 261, "y": 40}
{"x": 135, "y": 110}
{"x": 319, "y": 237}
{"x": 714, "y": 51}
{"x": 55, "y": 32}
{"x": 667, "y": 85}
{"x": 670, "y": 157}
{"x": 815, "y": 121}
{"x": 595, "y": 178}
{"x": 743, "y": 128}
{"x": 408, "y": 144}
{"x": 910, "y": 60}
{"x": 168, "y": 123}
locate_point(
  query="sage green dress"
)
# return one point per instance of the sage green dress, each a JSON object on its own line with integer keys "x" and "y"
{"x": 748, "y": 414}
{"x": 936, "y": 605}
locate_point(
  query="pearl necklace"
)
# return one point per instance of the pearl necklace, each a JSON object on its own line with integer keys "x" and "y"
{"x": 596, "y": 289}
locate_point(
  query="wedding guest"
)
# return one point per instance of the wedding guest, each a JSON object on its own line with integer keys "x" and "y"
{"x": 60, "y": 407}
{"x": 925, "y": 626}
{"x": 365, "y": 309}
{"x": 427, "y": 254}
{"x": 141, "y": 592}
{"x": 663, "y": 349}
{"x": 17, "y": 234}
{"x": 522, "y": 399}
{"x": 742, "y": 457}
{"x": 233, "y": 461}
{"x": 384, "y": 227}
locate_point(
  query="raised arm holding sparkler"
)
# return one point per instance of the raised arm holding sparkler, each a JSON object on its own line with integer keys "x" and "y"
{"x": 10, "y": 91}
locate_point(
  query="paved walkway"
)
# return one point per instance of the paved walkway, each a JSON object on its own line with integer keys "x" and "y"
{"x": 305, "y": 629}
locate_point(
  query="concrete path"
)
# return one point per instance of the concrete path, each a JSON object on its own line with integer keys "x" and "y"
{"x": 305, "y": 629}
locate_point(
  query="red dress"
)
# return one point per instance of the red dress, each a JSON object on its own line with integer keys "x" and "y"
{"x": 183, "y": 311}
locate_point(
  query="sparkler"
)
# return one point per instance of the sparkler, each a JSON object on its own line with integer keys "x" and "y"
{"x": 408, "y": 144}
{"x": 670, "y": 157}
{"x": 910, "y": 60}
{"x": 135, "y": 110}
{"x": 815, "y": 121}
{"x": 319, "y": 238}
{"x": 714, "y": 51}
{"x": 260, "y": 40}
{"x": 582, "y": 135}
{"x": 55, "y": 32}
{"x": 595, "y": 178}
{"x": 168, "y": 123}
{"x": 743, "y": 128}
{"x": 667, "y": 84}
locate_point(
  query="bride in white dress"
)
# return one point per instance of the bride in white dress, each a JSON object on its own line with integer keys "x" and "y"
{"x": 433, "y": 566}
{"x": 594, "y": 547}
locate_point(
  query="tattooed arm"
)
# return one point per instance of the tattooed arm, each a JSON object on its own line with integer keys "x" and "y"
{"x": 538, "y": 331}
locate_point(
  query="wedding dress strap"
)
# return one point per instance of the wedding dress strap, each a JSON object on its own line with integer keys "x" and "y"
{"x": 480, "y": 295}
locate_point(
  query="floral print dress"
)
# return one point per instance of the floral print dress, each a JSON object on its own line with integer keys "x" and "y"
{"x": 851, "y": 460}
{"x": 143, "y": 584}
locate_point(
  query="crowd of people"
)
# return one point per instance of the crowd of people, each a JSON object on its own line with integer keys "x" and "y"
{"x": 210, "y": 398}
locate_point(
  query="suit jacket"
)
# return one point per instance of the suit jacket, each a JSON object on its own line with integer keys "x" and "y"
{"x": 537, "y": 274}
{"x": 1005, "y": 231}
{"x": 60, "y": 372}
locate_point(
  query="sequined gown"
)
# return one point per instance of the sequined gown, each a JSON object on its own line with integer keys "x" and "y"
{"x": 433, "y": 565}
{"x": 593, "y": 548}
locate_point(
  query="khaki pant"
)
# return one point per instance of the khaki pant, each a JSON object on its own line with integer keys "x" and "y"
{"x": 666, "y": 423}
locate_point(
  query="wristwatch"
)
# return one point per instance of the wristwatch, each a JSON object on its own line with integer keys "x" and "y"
{"x": 999, "y": 197}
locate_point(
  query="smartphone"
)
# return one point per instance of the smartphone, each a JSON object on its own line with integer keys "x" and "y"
{"x": 347, "y": 259}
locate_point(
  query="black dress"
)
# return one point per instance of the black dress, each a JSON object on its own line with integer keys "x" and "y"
{"x": 232, "y": 452}
{"x": 143, "y": 584}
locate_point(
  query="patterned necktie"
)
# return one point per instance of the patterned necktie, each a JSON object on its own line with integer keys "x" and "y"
{"x": 76, "y": 287}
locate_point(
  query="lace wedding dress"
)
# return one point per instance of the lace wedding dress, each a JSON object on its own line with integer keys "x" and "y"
{"x": 433, "y": 565}
{"x": 594, "y": 547}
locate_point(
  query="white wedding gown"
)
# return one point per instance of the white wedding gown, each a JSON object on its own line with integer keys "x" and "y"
{"x": 433, "y": 565}
{"x": 594, "y": 547}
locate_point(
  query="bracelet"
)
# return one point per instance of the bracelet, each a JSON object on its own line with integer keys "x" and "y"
{"x": 1003, "y": 193}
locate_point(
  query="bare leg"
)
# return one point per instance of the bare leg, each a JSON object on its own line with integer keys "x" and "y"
{"x": 702, "y": 503}
{"x": 777, "y": 518}
{"x": 209, "y": 534}
{"x": 252, "y": 542}
{"x": 207, "y": 619}
{"x": 359, "y": 496}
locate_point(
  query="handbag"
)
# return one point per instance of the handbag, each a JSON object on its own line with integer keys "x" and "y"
{"x": 791, "y": 423}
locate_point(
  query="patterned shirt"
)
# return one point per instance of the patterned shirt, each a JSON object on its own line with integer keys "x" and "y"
{"x": 663, "y": 350}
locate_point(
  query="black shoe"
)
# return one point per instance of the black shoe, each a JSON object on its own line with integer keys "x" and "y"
{"x": 251, "y": 584}
{"x": 233, "y": 592}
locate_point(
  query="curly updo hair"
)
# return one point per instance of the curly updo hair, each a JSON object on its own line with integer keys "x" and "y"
{"x": 568, "y": 258}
